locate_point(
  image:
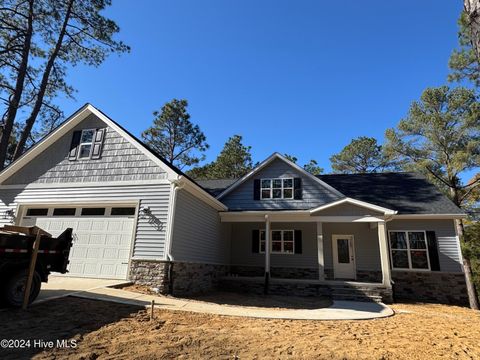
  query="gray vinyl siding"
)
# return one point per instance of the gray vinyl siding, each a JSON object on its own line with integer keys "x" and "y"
{"x": 314, "y": 194}
{"x": 150, "y": 237}
{"x": 197, "y": 232}
{"x": 120, "y": 161}
{"x": 241, "y": 246}
{"x": 367, "y": 251}
{"x": 448, "y": 247}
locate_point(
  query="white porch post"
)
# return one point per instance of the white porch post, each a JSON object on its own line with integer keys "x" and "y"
{"x": 267, "y": 253}
{"x": 321, "y": 266}
{"x": 382, "y": 239}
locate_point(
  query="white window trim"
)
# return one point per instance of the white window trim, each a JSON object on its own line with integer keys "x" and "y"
{"x": 408, "y": 250}
{"x": 282, "y": 252}
{"x": 282, "y": 189}
{"x": 86, "y": 143}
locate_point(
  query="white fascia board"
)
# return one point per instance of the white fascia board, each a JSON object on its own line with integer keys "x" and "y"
{"x": 354, "y": 202}
{"x": 429, "y": 216}
{"x": 268, "y": 161}
{"x": 200, "y": 193}
{"x": 292, "y": 216}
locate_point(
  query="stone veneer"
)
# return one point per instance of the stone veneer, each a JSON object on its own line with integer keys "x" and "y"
{"x": 369, "y": 276}
{"x": 275, "y": 272}
{"x": 372, "y": 276}
{"x": 196, "y": 278}
{"x": 150, "y": 273}
{"x": 187, "y": 278}
{"x": 439, "y": 287}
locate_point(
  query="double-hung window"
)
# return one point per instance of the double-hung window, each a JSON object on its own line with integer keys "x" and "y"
{"x": 86, "y": 144}
{"x": 276, "y": 188}
{"x": 409, "y": 250}
{"x": 282, "y": 241}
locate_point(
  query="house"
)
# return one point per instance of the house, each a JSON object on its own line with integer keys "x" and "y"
{"x": 279, "y": 228}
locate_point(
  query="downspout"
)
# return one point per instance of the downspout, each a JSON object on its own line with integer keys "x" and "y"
{"x": 176, "y": 186}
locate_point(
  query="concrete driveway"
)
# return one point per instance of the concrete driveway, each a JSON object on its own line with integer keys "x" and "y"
{"x": 59, "y": 286}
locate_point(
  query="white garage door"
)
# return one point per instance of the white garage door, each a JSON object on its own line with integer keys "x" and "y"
{"x": 102, "y": 236}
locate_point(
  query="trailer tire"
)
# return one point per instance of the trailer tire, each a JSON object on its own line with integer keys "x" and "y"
{"x": 15, "y": 288}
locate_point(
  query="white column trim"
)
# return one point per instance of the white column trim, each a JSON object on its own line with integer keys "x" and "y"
{"x": 321, "y": 257}
{"x": 267, "y": 244}
{"x": 384, "y": 258}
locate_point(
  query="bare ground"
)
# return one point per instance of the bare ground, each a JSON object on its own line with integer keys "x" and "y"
{"x": 113, "y": 331}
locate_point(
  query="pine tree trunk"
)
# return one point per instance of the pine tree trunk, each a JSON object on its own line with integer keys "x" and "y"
{"x": 472, "y": 8}
{"x": 16, "y": 97}
{"x": 43, "y": 86}
{"x": 472, "y": 294}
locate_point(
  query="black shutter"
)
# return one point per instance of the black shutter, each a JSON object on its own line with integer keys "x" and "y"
{"x": 297, "y": 188}
{"x": 298, "y": 241}
{"x": 255, "y": 241}
{"x": 97, "y": 143}
{"x": 256, "y": 189}
{"x": 433, "y": 251}
{"x": 72, "y": 155}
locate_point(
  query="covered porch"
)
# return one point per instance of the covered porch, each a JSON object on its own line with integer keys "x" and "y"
{"x": 337, "y": 249}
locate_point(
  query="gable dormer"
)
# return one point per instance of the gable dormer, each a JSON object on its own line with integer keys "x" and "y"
{"x": 91, "y": 149}
{"x": 278, "y": 184}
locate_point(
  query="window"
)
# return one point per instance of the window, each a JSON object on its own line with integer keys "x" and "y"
{"x": 86, "y": 144}
{"x": 93, "y": 211}
{"x": 123, "y": 211}
{"x": 409, "y": 250}
{"x": 282, "y": 241}
{"x": 64, "y": 212}
{"x": 37, "y": 212}
{"x": 276, "y": 188}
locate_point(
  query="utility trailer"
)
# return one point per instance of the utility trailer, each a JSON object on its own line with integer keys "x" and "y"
{"x": 16, "y": 253}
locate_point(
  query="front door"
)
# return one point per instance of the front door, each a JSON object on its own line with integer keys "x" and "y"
{"x": 343, "y": 257}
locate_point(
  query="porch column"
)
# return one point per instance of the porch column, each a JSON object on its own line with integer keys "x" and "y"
{"x": 321, "y": 266}
{"x": 267, "y": 253}
{"x": 382, "y": 239}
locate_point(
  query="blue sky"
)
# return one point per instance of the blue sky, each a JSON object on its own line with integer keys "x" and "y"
{"x": 300, "y": 77}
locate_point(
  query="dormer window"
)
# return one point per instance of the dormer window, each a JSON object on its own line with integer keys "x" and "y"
{"x": 86, "y": 144}
{"x": 276, "y": 188}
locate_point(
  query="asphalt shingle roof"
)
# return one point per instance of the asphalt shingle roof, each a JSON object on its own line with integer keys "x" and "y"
{"x": 216, "y": 186}
{"x": 408, "y": 193}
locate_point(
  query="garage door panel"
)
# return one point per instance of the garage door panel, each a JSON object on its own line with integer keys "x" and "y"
{"x": 96, "y": 239}
{"x": 101, "y": 246}
{"x": 112, "y": 239}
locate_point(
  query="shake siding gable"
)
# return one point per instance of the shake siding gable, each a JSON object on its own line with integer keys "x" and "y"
{"x": 119, "y": 161}
{"x": 313, "y": 193}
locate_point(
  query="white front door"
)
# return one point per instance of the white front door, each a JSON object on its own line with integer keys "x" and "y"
{"x": 343, "y": 257}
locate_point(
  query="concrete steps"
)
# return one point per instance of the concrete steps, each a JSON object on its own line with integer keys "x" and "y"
{"x": 336, "y": 290}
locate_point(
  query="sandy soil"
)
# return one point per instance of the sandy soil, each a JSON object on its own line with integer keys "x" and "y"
{"x": 112, "y": 331}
